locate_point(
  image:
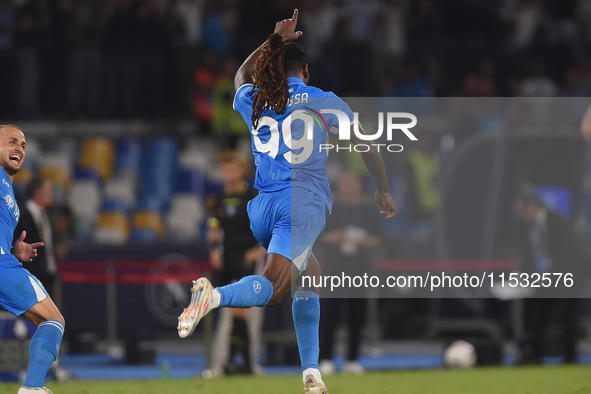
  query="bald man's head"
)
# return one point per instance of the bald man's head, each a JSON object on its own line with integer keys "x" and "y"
{"x": 12, "y": 148}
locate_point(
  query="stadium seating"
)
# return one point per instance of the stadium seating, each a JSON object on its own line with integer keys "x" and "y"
{"x": 33, "y": 150}
{"x": 98, "y": 154}
{"x": 184, "y": 217}
{"x": 57, "y": 166}
{"x": 112, "y": 228}
{"x": 121, "y": 189}
{"x": 58, "y": 175}
{"x": 149, "y": 220}
{"x": 129, "y": 155}
{"x": 191, "y": 181}
{"x": 115, "y": 205}
{"x": 85, "y": 200}
{"x": 128, "y": 159}
{"x": 23, "y": 177}
{"x": 128, "y": 190}
{"x": 144, "y": 235}
{"x": 150, "y": 202}
{"x": 197, "y": 155}
{"x": 159, "y": 170}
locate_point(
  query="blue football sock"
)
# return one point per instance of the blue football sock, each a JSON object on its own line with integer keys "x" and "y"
{"x": 43, "y": 351}
{"x": 306, "y": 318}
{"x": 252, "y": 290}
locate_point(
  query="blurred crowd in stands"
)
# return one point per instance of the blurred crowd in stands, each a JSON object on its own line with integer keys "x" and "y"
{"x": 117, "y": 191}
{"x": 160, "y": 58}
{"x": 171, "y": 59}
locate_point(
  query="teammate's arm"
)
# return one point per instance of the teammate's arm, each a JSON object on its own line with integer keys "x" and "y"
{"x": 286, "y": 29}
{"x": 375, "y": 165}
{"x": 25, "y": 252}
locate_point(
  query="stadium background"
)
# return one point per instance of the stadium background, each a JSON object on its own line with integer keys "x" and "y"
{"x": 126, "y": 104}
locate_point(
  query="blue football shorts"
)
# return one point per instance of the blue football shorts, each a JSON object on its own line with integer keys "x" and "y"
{"x": 19, "y": 289}
{"x": 287, "y": 222}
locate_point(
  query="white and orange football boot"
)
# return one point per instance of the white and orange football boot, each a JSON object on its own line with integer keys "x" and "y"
{"x": 201, "y": 304}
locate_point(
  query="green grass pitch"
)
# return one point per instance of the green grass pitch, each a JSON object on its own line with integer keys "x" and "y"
{"x": 518, "y": 380}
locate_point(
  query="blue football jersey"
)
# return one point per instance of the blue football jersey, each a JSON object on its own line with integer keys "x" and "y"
{"x": 9, "y": 216}
{"x": 288, "y": 147}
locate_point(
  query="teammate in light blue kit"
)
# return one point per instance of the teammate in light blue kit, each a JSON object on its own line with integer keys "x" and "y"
{"x": 288, "y": 128}
{"x": 20, "y": 292}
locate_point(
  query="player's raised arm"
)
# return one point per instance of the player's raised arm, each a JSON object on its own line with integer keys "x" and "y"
{"x": 286, "y": 29}
{"x": 375, "y": 165}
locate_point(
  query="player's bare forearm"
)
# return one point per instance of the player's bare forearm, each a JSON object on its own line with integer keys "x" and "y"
{"x": 373, "y": 161}
{"x": 286, "y": 29}
{"x": 375, "y": 165}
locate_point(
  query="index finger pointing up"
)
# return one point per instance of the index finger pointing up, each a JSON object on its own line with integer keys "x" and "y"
{"x": 295, "y": 15}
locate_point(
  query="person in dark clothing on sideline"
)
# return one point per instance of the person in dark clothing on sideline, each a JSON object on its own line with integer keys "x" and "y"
{"x": 35, "y": 221}
{"x": 234, "y": 252}
{"x": 547, "y": 243}
{"x": 351, "y": 231}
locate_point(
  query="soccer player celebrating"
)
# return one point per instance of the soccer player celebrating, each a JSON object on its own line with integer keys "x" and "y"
{"x": 290, "y": 211}
{"x": 20, "y": 292}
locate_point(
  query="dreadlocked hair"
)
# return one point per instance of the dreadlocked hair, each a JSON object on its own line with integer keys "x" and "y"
{"x": 276, "y": 59}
